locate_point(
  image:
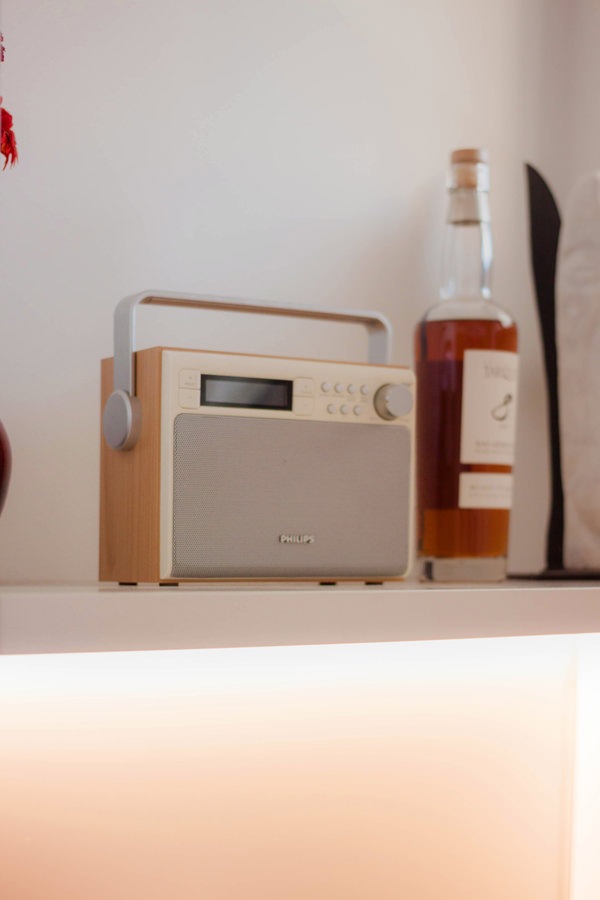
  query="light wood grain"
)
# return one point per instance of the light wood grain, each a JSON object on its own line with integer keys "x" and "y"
{"x": 130, "y": 484}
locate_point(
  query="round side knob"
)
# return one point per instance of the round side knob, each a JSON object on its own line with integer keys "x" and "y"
{"x": 121, "y": 420}
{"x": 393, "y": 400}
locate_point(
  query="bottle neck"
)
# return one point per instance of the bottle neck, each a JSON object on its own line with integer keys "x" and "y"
{"x": 467, "y": 259}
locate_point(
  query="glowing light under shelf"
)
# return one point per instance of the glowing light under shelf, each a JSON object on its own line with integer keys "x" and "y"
{"x": 365, "y": 770}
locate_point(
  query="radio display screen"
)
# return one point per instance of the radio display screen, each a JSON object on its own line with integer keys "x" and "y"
{"x": 246, "y": 393}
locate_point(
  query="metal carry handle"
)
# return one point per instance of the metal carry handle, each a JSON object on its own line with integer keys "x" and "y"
{"x": 122, "y": 414}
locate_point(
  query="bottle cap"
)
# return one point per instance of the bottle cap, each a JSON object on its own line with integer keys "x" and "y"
{"x": 469, "y": 169}
{"x": 469, "y": 156}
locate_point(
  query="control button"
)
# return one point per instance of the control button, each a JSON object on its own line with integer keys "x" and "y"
{"x": 304, "y": 387}
{"x": 357, "y": 410}
{"x": 303, "y": 406}
{"x": 189, "y": 378}
{"x": 339, "y": 388}
{"x": 189, "y": 399}
{"x": 351, "y": 388}
{"x": 331, "y": 408}
{"x": 393, "y": 400}
{"x": 364, "y": 389}
{"x": 344, "y": 409}
{"x": 326, "y": 386}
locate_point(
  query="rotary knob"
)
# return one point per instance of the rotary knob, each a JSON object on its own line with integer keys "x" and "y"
{"x": 393, "y": 400}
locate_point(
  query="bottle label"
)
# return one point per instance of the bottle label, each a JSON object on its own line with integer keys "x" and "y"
{"x": 485, "y": 490}
{"x": 489, "y": 407}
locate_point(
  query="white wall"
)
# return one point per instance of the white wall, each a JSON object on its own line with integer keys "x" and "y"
{"x": 581, "y": 122}
{"x": 292, "y": 151}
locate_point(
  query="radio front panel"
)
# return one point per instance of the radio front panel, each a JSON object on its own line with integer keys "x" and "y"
{"x": 227, "y": 384}
{"x": 274, "y": 468}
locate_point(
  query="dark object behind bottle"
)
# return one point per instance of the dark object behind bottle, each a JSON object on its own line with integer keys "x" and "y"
{"x": 5, "y": 464}
{"x": 544, "y": 231}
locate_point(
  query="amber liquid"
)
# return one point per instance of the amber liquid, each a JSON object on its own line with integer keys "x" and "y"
{"x": 443, "y": 529}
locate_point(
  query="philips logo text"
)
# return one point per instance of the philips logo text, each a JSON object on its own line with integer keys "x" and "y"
{"x": 296, "y": 538}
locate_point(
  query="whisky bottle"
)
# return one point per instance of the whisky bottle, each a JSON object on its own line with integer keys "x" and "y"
{"x": 466, "y": 365}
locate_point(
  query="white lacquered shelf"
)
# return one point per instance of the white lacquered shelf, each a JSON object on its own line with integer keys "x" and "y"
{"x": 67, "y": 619}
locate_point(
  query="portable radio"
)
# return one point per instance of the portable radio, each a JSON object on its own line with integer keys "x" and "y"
{"x": 223, "y": 466}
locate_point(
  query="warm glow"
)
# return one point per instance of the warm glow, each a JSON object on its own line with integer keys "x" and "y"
{"x": 358, "y": 771}
{"x": 585, "y": 882}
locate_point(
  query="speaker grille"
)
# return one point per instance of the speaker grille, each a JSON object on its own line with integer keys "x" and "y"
{"x": 239, "y": 483}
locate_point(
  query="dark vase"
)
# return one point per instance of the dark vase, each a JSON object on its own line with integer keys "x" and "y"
{"x": 5, "y": 464}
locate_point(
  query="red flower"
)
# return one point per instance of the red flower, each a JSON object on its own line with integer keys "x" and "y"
{"x": 8, "y": 142}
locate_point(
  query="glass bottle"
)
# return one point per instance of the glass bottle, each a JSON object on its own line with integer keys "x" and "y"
{"x": 466, "y": 366}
